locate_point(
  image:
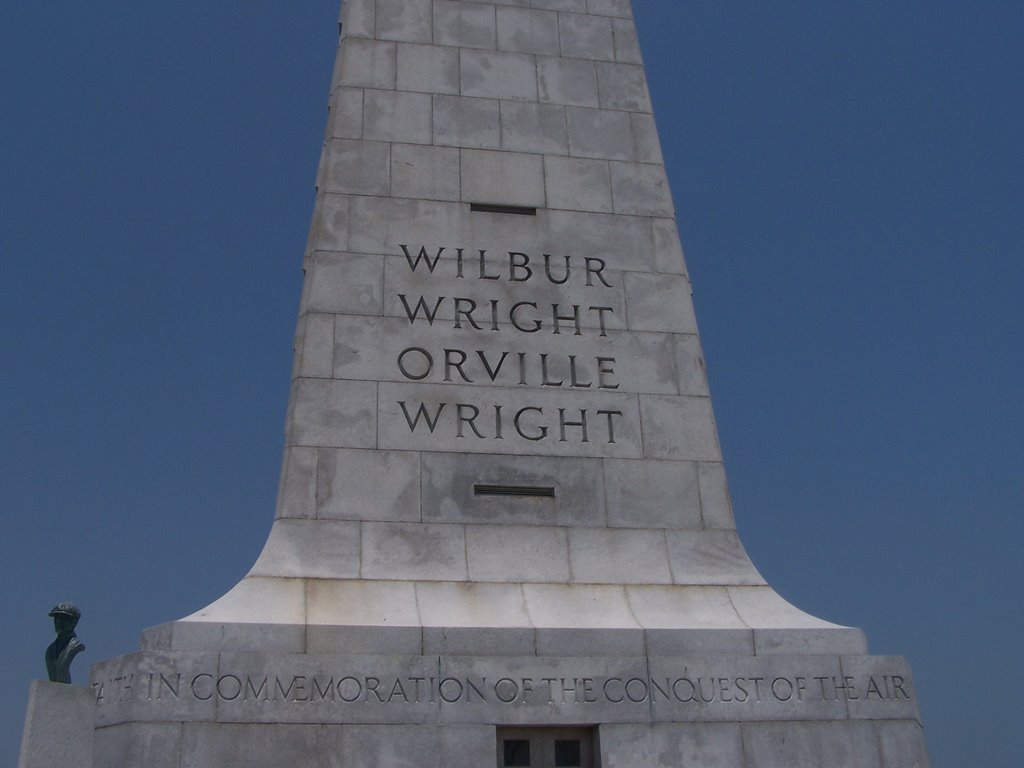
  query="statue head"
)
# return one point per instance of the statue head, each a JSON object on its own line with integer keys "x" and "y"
{"x": 65, "y": 617}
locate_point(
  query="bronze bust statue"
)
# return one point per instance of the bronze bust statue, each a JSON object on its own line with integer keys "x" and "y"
{"x": 62, "y": 651}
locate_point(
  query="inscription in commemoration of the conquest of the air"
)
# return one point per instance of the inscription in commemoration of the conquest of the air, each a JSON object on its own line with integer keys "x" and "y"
{"x": 376, "y": 689}
{"x": 524, "y": 344}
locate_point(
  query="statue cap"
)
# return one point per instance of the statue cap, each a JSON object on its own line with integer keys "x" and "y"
{"x": 65, "y": 609}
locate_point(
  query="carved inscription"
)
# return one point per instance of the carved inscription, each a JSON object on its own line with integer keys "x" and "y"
{"x": 528, "y": 422}
{"x": 686, "y": 688}
{"x": 298, "y": 688}
{"x": 498, "y": 357}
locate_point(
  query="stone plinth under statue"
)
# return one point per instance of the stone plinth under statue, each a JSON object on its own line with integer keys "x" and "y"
{"x": 503, "y": 527}
{"x": 59, "y": 727}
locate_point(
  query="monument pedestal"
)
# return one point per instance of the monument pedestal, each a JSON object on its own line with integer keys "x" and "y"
{"x": 447, "y": 699}
{"x": 503, "y": 536}
{"x": 654, "y": 676}
{"x": 59, "y": 727}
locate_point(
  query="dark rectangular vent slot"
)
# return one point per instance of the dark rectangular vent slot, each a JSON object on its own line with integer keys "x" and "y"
{"x": 515, "y": 210}
{"x": 514, "y": 490}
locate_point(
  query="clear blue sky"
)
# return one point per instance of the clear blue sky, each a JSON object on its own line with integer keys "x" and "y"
{"x": 848, "y": 177}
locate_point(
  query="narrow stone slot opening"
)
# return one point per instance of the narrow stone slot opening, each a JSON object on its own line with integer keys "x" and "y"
{"x": 515, "y": 210}
{"x": 533, "y": 491}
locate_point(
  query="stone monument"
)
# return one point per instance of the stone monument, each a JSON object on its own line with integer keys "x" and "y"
{"x": 503, "y": 535}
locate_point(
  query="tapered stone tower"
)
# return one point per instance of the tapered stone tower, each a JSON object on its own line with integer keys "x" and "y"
{"x": 503, "y": 536}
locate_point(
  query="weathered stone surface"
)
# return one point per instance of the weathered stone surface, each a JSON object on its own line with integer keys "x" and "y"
{"x": 786, "y": 641}
{"x": 717, "y": 641}
{"x": 59, "y": 727}
{"x": 358, "y": 167}
{"x": 252, "y": 600}
{"x": 619, "y": 8}
{"x": 343, "y": 282}
{"x": 347, "y": 113}
{"x": 622, "y": 86}
{"x": 528, "y": 127}
{"x": 601, "y": 133}
{"x": 709, "y": 557}
{"x": 430, "y": 173}
{"x": 498, "y": 75}
{"x": 463, "y": 121}
{"x": 479, "y": 641}
{"x": 902, "y": 744}
{"x": 214, "y": 745}
{"x": 297, "y": 496}
{"x": 472, "y": 605}
{"x": 357, "y": 17}
{"x": 362, "y": 603}
{"x": 332, "y": 545}
{"x": 668, "y": 251}
{"x": 641, "y": 189}
{"x": 367, "y": 485}
{"x": 369, "y": 640}
{"x": 553, "y": 5}
{"x": 598, "y": 606}
{"x": 414, "y": 747}
{"x": 340, "y": 414}
{"x": 419, "y": 552}
{"x": 645, "y": 136}
{"x": 396, "y": 116}
{"x": 366, "y": 63}
{"x": 671, "y": 745}
{"x": 696, "y": 607}
{"x": 567, "y": 81}
{"x": 654, "y": 494}
{"x": 578, "y": 184}
{"x": 517, "y": 553}
{"x": 502, "y": 177}
{"x": 465, "y": 25}
{"x": 627, "y": 45}
{"x": 837, "y": 745}
{"x": 690, "y": 370}
{"x": 527, "y": 31}
{"x": 715, "y": 505}
{"x": 409, "y": 20}
{"x": 330, "y": 222}
{"x": 627, "y": 556}
{"x": 427, "y": 68}
{"x": 316, "y": 339}
{"x": 139, "y": 745}
{"x": 585, "y": 37}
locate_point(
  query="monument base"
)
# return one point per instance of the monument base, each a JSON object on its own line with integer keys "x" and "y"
{"x": 304, "y": 704}
{"x": 825, "y": 744}
{"x": 58, "y": 727}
